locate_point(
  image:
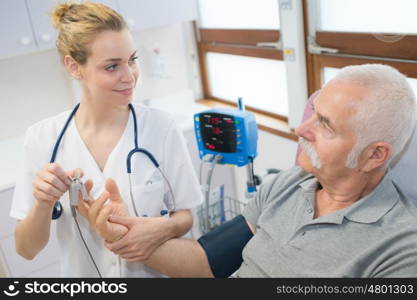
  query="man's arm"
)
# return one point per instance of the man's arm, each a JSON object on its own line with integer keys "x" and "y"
{"x": 189, "y": 258}
{"x": 217, "y": 253}
{"x": 177, "y": 257}
{"x": 180, "y": 258}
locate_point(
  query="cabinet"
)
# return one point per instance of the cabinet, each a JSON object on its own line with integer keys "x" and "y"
{"x": 142, "y": 14}
{"x": 114, "y": 4}
{"x": 16, "y": 35}
{"x": 46, "y": 263}
{"x": 25, "y": 25}
{"x": 43, "y": 31}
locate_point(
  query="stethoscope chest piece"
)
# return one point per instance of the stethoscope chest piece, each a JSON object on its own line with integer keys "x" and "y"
{"x": 57, "y": 212}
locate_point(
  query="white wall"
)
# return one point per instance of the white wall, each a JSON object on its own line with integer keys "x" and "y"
{"x": 275, "y": 152}
{"x": 32, "y": 87}
{"x": 168, "y": 72}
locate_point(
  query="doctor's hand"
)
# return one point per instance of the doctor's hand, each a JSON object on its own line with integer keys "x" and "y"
{"x": 51, "y": 182}
{"x": 97, "y": 211}
{"x": 144, "y": 236}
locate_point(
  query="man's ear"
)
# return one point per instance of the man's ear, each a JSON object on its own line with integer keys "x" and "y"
{"x": 72, "y": 67}
{"x": 375, "y": 156}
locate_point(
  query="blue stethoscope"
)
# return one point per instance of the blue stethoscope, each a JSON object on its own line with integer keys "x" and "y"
{"x": 57, "y": 212}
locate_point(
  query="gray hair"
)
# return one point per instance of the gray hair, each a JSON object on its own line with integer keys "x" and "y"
{"x": 388, "y": 113}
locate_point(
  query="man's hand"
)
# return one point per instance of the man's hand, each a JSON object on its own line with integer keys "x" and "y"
{"x": 98, "y": 211}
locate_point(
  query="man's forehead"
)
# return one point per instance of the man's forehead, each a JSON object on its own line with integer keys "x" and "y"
{"x": 343, "y": 95}
{"x": 337, "y": 105}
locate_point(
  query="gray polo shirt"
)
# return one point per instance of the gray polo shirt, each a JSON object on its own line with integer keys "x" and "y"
{"x": 374, "y": 237}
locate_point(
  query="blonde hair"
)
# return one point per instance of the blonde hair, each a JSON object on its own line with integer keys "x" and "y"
{"x": 79, "y": 24}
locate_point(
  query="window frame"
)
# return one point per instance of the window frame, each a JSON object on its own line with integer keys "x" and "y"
{"x": 243, "y": 42}
{"x": 357, "y": 48}
{"x": 319, "y": 62}
{"x": 353, "y": 48}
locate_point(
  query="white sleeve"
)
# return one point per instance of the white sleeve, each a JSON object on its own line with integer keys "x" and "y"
{"x": 23, "y": 197}
{"x": 179, "y": 170}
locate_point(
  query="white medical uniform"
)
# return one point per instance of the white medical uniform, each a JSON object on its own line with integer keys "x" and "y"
{"x": 157, "y": 133}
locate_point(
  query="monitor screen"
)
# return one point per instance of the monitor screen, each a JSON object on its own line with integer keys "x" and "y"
{"x": 218, "y": 132}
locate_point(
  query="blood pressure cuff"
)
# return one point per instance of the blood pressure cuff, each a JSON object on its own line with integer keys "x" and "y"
{"x": 224, "y": 246}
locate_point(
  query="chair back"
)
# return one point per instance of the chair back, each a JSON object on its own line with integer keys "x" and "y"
{"x": 404, "y": 171}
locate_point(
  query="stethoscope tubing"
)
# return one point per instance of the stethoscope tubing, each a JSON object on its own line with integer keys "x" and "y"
{"x": 58, "y": 209}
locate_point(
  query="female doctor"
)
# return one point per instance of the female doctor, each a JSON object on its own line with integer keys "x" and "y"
{"x": 98, "y": 50}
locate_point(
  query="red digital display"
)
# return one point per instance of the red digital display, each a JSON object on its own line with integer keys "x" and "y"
{"x": 213, "y": 120}
{"x": 216, "y": 130}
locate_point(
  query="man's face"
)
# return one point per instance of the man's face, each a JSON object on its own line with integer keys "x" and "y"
{"x": 327, "y": 137}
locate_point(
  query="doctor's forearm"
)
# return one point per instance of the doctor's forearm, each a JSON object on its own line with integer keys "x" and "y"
{"x": 180, "y": 222}
{"x": 32, "y": 233}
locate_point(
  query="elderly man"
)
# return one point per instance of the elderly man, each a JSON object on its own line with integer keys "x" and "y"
{"x": 338, "y": 214}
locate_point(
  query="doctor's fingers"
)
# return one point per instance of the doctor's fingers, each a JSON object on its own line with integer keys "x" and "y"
{"x": 120, "y": 245}
{"x": 130, "y": 251}
{"x": 125, "y": 250}
{"x": 75, "y": 173}
{"x": 127, "y": 244}
{"x": 53, "y": 180}
{"x": 134, "y": 256}
{"x": 58, "y": 171}
{"x": 42, "y": 196}
{"x": 47, "y": 188}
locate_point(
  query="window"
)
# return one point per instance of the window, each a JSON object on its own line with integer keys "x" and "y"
{"x": 239, "y": 14}
{"x": 234, "y": 60}
{"x": 375, "y": 16}
{"x": 260, "y": 82}
{"x": 383, "y": 32}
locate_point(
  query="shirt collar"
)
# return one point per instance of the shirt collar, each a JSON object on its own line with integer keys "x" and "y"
{"x": 368, "y": 209}
{"x": 309, "y": 187}
{"x": 310, "y": 184}
{"x": 376, "y": 204}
